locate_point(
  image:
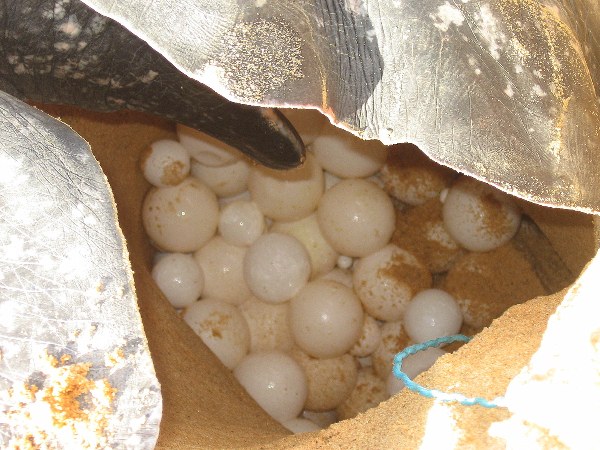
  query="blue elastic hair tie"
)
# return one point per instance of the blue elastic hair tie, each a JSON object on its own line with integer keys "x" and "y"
{"x": 433, "y": 393}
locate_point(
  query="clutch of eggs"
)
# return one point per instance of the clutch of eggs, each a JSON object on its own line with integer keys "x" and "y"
{"x": 291, "y": 278}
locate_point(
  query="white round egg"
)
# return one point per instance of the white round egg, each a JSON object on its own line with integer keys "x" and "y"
{"x": 287, "y": 195}
{"x": 479, "y": 217}
{"x": 276, "y": 267}
{"x": 412, "y": 366}
{"x": 322, "y": 255}
{"x": 326, "y": 318}
{"x": 223, "y": 268}
{"x": 346, "y": 155}
{"x": 387, "y": 279}
{"x": 225, "y": 181}
{"x": 275, "y": 381}
{"x": 206, "y": 149}
{"x": 431, "y": 314}
{"x": 181, "y": 218}
{"x": 165, "y": 163}
{"x": 241, "y": 223}
{"x": 179, "y": 278}
{"x": 221, "y": 327}
{"x": 356, "y": 217}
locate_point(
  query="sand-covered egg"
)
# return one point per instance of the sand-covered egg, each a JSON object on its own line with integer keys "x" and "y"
{"x": 165, "y": 163}
{"x": 421, "y": 231}
{"x": 330, "y": 380}
{"x": 487, "y": 284}
{"x": 393, "y": 340}
{"x": 411, "y": 177}
{"x": 269, "y": 325}
{"x": 369, "y": 339}
{"x": 479, "y": 217}
{"x": 386, "y": 280}
{"x": 369, "y": 391}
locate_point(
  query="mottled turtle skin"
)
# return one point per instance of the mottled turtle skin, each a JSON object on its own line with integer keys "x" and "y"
{"x": 69, "y": 274}
{"x": 63, "y": 52}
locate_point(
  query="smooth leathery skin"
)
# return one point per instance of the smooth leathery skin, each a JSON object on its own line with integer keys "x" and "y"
{"x": 62, "y": 51}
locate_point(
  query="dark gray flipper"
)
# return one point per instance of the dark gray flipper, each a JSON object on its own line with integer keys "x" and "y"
{"x": 64, "y": 52}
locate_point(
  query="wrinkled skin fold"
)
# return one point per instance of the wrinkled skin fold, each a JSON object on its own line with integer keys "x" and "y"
{"x": 503, "y": 90}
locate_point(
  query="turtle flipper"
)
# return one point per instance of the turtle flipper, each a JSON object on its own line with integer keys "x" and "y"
{"x": 73, "y": 55}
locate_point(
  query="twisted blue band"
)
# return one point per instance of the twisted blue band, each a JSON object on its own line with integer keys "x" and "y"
{"x": 433, "y": 393}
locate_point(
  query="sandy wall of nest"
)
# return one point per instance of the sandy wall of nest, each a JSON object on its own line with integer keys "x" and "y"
{"x": 204, "y": 406}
